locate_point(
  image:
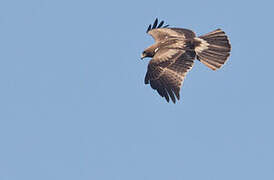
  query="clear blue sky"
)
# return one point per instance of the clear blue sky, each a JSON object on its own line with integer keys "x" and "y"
{"x": 73, "y": 104}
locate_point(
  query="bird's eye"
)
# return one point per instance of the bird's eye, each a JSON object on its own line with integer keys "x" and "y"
{"x": 144, "y": 52}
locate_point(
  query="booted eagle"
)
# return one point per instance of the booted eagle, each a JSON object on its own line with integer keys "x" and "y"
{"x": 173, "y": 55}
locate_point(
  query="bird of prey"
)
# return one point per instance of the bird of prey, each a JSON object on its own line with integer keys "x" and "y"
{"x": 174, "y": 52}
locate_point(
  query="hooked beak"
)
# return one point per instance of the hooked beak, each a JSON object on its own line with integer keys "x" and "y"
{"x": 143, "y": 56}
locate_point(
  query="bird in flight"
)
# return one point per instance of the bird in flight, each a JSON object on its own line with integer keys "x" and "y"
{"x": 173, "y": 55}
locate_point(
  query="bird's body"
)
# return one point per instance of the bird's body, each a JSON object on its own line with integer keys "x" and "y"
{"x": 173, "y": 55}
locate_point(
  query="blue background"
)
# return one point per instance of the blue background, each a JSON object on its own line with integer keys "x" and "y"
{"x": 73, "y": 104}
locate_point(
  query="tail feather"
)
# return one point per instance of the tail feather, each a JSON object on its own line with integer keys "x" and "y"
{"x": 213, "y": 49}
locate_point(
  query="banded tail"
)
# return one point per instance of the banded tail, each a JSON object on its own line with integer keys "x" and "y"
{"x": 213, "y": 49}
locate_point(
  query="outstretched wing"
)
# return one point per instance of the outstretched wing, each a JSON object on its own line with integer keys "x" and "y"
{"x": 167, "y": 69}
{"x": 160, "y": 32}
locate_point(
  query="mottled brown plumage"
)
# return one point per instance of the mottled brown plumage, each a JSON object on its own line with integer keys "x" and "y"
{"x": 173, "y": 55}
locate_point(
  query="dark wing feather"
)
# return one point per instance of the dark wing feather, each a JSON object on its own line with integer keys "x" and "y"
{"x": 155, "y": 23}
{"x": 154, "y": 26}
{"x": 160, "y": 25}
{"x": 166, "y": 71}
{"x": 149, "y": 28}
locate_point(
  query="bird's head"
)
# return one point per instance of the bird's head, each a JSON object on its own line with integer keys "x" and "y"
{"x": 144, "y": 55}
{"x": 149, "y": 52}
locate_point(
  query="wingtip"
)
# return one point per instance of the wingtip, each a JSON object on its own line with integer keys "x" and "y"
{"x": 155, "y": 23}
{"x": 171, "y": 95}
{"x": 167, "y": 98}
{"x": 149, "y": 28}
{"x": 160, "y": 24}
